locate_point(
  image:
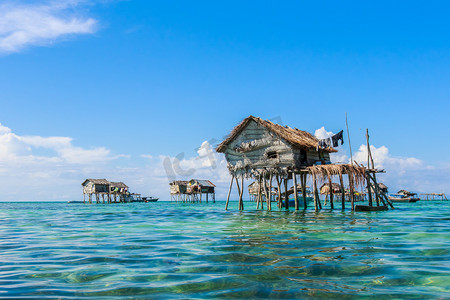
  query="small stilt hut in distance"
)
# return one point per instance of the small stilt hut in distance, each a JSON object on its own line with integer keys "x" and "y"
{"x": 325, "y": 188}
{"x": 113, "y": 191}
{"x": 118, "y": 190}
{"x": 95, "y": 187}
{"x": 192, "y": 190}
{"x": 253, "y": 190}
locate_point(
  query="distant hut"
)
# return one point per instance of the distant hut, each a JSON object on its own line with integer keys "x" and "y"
{"x": 178, "y": 188}
{"x": 325, "y": 188}
{"x": 199, "y": 187}
{"x": 95, "y": 187}
{"x": 119, "y": 189}
{"x": 383, "y": 188}
{"x": 192, "y": 190}
{"x": 254, "y": 188}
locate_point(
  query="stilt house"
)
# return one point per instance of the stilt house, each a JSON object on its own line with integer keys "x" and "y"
{"x": 268, "y": 152}
{"x": 192, "y": 190}
{"x": 257, "y": 144}
{"x": 178, "y": 187}
{"x": 94, "y": 186}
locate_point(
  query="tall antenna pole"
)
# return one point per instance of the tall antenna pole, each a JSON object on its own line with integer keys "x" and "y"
{"x": 348, "y": 136}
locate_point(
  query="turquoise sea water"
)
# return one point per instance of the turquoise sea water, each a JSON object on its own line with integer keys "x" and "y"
{"x": 172, "y": 250}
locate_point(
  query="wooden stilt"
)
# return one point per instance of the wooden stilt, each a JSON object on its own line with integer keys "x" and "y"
{"x": 258, "y": 196}
{"x": 303, "y": 180}
{"x": 84, "y": 198}
{"x": 330, "y": 186}
{"x": 341, "y": 181}
{"x": 279, "y": 191}
{"x": 229, "y": 192}
{"x": 352, "y": 190}
{"x": 265, "y": 191}
{"x": 294, "y": 180}
{"x": 241, "y": 201}
{"x": 239, "y": 192}
{"x": 266, "y": 194}
{"x": 269, "y": 203}
{"x": 316, "y": 200}
{"x": 286, "y": 196}
{"x": 369, "y": 190}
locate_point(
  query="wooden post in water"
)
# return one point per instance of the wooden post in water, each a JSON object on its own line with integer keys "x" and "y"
{"x": 303, "y": 180}
{"x": 84, "y": 198}
{"x": 229, "y": 192}
{"x": 269, "y": 204}
{"x": 318, "y": 197}
{"x": 239, "y": 192}
{"x": 294, "y": 180}
{"x": 241, "y": 201}
{"x": 259, "y": 199}
{"x": 342, "y": 190}
{"x": 352, "y": 192}
{"x": 279, "y": 191}
{"x": 286, "y": 196}
{"x": 369, "y": 189}
{"x": 316, "y": 200}
{"x": 330, "y": 186}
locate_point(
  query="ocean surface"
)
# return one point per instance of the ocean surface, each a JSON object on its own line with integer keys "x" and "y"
{"x": 173, "y": 250}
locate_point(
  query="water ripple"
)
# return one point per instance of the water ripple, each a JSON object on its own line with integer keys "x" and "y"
{"x": 170, "y": 250}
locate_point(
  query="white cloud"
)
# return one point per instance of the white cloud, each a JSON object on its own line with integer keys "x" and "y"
{"x": 321, "y": 133}
{"x": 382, "y": 158}
{"x": 23, "y": 25}
{"x": 44, "y": 168}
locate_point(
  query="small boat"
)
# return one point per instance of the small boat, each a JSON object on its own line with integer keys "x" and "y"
{"x": 149, "y": 199}
{"x": 75, "y": 201}
{"x": 404, "y": 196}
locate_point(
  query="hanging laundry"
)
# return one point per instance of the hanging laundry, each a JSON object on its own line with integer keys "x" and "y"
{"x": 338, "y": 137}
{"x": 325, "y": 143}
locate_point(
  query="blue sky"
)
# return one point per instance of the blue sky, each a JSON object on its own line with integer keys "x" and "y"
{"x": 132, "y": 82}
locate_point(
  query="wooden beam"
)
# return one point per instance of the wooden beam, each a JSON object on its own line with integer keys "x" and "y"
{"x": 279, "y": 191}
{"x": 229, "y": 192}
{"x": 294, "y": 179}
{"x": 316, "y": 200}
{"x": 303, "y": 180}
{"x": 269, "y": 204}
{"x": 341, "y": 180}
{"x": 286, "y": 196}
{"x": 241, "y": 201}
{"x": 330, "y": 186}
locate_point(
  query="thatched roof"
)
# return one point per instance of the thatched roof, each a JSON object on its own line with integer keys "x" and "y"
{"x": 205, "y": 183}
{"x": 357, "y": 173}
{"x": 96, "y": 181}
{"x": 119, "y": 184}
{"x": 294, "y": 136}
{"x": 179, "y": 182}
